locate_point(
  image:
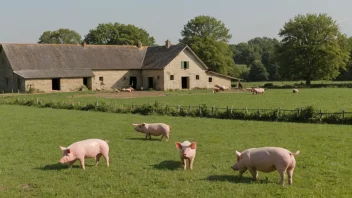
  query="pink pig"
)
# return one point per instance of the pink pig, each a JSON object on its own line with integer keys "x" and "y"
{"x": 187, "y": 151}
{"x": 155, "y": 129}
{"x": 266, "y": 159}
{"x": 85, "y": 149}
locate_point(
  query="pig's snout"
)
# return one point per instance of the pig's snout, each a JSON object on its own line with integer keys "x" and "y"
{"x": 234, "y": 167}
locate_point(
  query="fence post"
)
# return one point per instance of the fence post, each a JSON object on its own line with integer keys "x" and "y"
{"x": 189, "y": 109}
{"x": 200, "y": 111}
{"x": 227, "y": 109}
{"x": 278, "y": 112}
{"x": 212, "y": 110}
{"x": 178, "y": 108}
{"x": 259, "y": 112}
{"x": 97, "y": 103}
{"x": 231, "y": 109}
{"x": 321, "y": 115}
{"x": 343, "y": 116}
{"x": 37, "y": 100}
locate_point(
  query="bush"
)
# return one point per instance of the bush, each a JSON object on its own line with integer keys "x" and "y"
{"x": 305, "y": 115}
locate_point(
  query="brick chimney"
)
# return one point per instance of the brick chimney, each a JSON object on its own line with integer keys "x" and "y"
{"x": 139, "y": 44}
{"x": 167, "y": 44}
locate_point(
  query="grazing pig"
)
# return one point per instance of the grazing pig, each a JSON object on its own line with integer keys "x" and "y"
{"x": 85, "y": 149}
{"x": 216, "y": 89}
{"x": 266, "y": 159}
{"x": 155, "y": 129}
{"x": 257, "y": 90}
{"x": 187, "y": 151}
{"x": 295, "y": 90}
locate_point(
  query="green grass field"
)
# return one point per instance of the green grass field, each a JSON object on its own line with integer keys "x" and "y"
{"x": 30, "y": 139}
{"x": 326, "y": 99}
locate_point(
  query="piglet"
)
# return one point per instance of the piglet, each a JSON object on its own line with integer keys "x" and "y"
{"x": 187, "y": 151}
{"x": 85, "y": 149}
{"x": 266, "y": 159}
{"x": 155, "y": 129}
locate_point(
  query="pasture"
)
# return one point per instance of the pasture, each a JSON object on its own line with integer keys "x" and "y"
{"x": 30, "y": 139}
{"x": 326, "y": 99}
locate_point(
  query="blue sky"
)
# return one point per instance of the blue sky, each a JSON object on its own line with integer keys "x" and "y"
{"x": 23, "y": 21}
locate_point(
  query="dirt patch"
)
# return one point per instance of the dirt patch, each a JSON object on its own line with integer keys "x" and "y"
{"x": 134, "y": 94}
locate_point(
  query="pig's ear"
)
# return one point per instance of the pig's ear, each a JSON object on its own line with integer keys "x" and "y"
{"x": 238, "y": 154}
{"x": 143, "y": 124}
{"x": 62, "y": 148}
{"x": 68, "y": 151}
{"x": 178, "y": 145}
{"x": 193, "y": 145}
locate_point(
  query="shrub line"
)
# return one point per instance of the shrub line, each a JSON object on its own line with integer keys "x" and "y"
{"x": 302, "y": 114}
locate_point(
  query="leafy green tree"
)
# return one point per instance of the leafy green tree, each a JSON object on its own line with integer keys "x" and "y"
{"x": 208, "y": 38}
{"x": 312, "y": 48}
{"x": 118, "y": 34}
{"x": 258, "y": 72}
{"x": 216, "y": 55}
{"x": 243, "y": 53}
{"x": 60, "y": 36}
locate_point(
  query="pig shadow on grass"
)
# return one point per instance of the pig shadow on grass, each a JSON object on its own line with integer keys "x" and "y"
{"x": 58, "y": 166}
{"x": 143, "y": 139}
{"x": 167, "y": 165}
{"x": 235, "y": 179}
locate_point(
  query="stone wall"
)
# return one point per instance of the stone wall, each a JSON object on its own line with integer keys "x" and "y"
{"x": 158, "y": 79}
{"x": 198, "y": 78}
{"x": 110, "y": 79}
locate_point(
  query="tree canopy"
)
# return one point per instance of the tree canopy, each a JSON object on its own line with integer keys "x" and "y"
{"x": 312, "y": 48}
{"x": 118, "y": 34}
{"x": 60, "y": 36}
{"x": 208, "y": 38}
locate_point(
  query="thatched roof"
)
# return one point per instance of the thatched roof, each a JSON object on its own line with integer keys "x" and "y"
{"x": 158, "y": 57}
{"x": 61, "y": 60}
{"x": 222, "y": 75}
{"x": 55, "y": 73}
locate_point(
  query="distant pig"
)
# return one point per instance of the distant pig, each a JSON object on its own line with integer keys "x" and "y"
{"x": 266, "y": 159}
{"x": 258, "y": 90}
{"x": 155, "y": 129}
{"x": 85, "y": 149}
{"x": 187, "y": 151}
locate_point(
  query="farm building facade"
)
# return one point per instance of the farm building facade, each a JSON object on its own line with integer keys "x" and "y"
{"x": 49, "y": 67}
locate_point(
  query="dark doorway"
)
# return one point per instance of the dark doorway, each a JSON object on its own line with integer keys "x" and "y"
{"x": 133, "y": 82}
{"x": 55, "y": 84}
{"x": 85, "y": 81}
{"x": 185, "y": 82}
{"x": 151, "y": 82}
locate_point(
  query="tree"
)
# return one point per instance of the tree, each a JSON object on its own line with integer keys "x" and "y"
{"x": 60, "y": 36}
{"x": 216, "y": 55}
{"x": 208, "y": 38}
{"x": 118, "y": 34}
{"x": 312, "y": 48}
{"x": 257, "y": 72}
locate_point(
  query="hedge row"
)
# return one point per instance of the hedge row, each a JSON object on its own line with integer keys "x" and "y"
{"x": 300, "y": 85}
{"x": 304, "y": 115}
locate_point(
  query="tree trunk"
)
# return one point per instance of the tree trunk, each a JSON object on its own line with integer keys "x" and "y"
{"x": 308, "y": 82}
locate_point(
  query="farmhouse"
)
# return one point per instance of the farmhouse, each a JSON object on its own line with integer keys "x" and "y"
{"x": 62, "y": 67}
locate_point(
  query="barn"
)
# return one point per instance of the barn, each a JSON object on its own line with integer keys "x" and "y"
{"x": 63, "y": 67}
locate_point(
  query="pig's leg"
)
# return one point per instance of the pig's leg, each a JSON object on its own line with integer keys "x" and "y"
{"x": 97, "y": 158}
{"x": 81, "y": 160}
{"x": 282, "y": 175}
{"x": 191, "y": 163}
{"x": 106, "y": 156}
{"x": 254, "y": 173}
{"x": 161, "y": 137}
{"x": 242, "y": 171}
{"x": 183, "y": 160}
{"x": 71, "y": 163}
{"x": 290, "y": 174}
{"x": 146, "y": 136}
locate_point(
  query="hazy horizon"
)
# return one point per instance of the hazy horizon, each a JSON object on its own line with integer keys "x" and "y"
{"x": 25, "y": 21}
